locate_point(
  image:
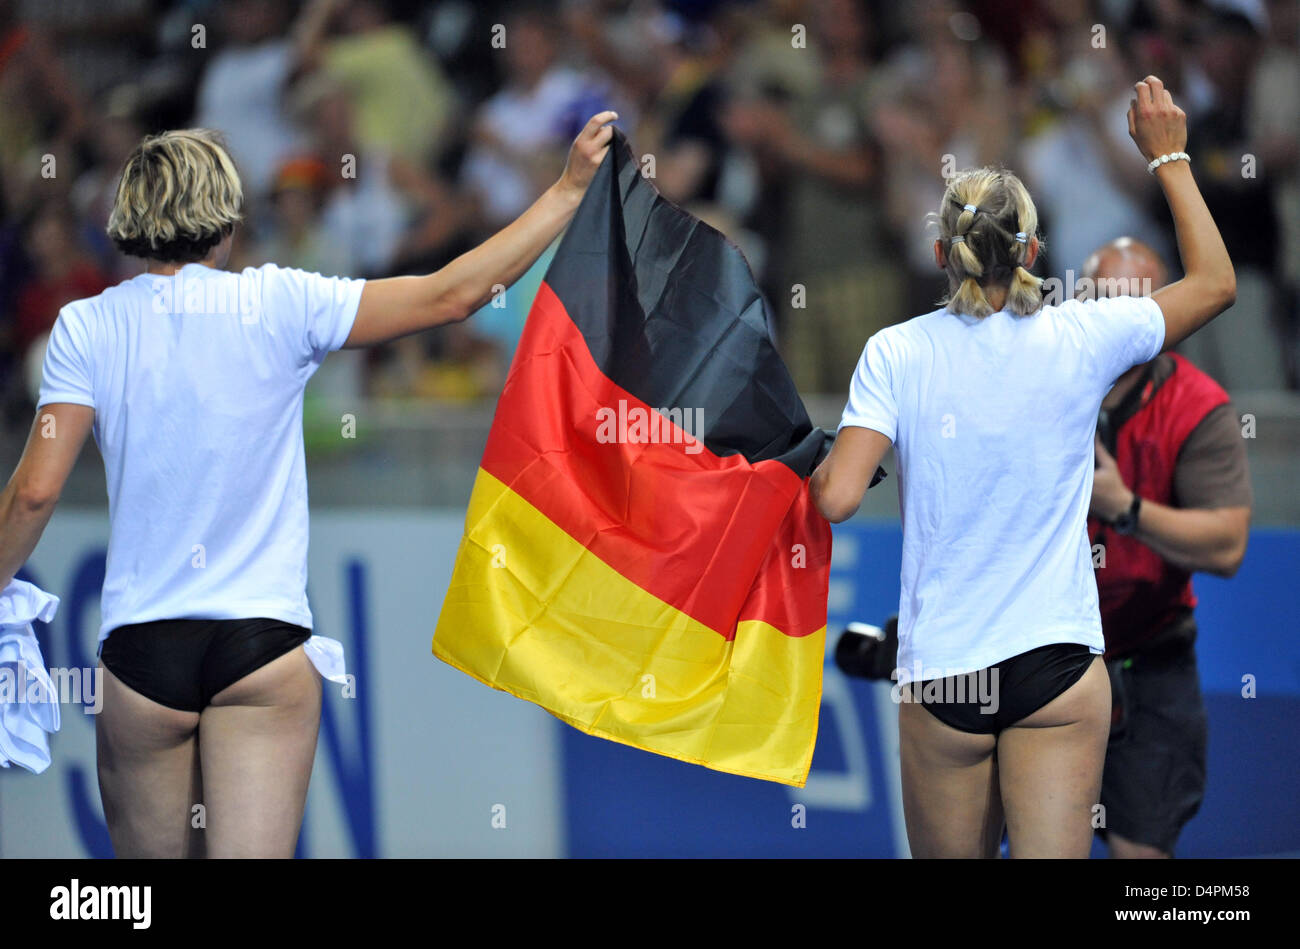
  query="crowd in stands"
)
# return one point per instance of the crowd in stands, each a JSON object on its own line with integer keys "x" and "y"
{"x": 378, "y": 137}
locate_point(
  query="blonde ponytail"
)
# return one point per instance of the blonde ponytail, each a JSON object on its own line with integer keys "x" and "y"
{"x": 1025, "y": 295}
{"x": 986, "y": 222}
{"x": 970, "y": 298}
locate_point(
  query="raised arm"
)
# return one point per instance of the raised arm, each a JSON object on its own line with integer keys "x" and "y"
{"x": 1209, "y": 285}
{"x": 397, "y": 306}
{"x": 28, "y": 500}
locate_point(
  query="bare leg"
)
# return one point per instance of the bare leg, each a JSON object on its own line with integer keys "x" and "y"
{"x": 1051, "y": 764}
{"x": 257, "y": 740}
{"x": 950, "y": 787}
{"x": 148, "y": 764}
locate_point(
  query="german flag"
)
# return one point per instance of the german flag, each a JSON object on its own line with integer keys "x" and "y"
{"x": 641, "y": 556}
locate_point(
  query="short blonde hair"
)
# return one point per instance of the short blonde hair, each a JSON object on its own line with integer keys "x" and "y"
{"x": 179, "y": 196}
{"x": 992, "y": 241}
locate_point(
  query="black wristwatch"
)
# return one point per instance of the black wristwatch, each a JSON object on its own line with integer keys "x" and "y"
{"x": 1127, "y": 522}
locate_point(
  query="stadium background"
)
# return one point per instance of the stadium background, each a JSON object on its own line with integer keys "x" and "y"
{"x": 449, "y": 135}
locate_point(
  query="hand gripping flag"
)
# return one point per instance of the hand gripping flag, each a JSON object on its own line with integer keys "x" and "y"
{"x": 641, "y": 556}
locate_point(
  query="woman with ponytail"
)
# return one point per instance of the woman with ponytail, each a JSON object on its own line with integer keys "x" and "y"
{"x": 990, "y": 404}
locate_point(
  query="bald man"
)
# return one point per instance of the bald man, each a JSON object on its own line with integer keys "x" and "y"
{"x": 1171, "y": 496}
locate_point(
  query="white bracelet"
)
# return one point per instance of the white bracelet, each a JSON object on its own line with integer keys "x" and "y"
{"x": 1166, "y": 159}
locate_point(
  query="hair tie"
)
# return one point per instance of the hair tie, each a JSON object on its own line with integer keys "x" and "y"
{"x": 971, "y": 208}
{"x": 956, "y": 239}
{"x": 1021, "y": 237}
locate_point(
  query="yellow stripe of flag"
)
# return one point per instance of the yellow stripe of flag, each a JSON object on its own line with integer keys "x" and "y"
{"x": 528, "y": 603}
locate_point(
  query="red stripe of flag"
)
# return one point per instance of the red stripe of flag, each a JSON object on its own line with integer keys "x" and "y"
{"x": 684, "y": 527}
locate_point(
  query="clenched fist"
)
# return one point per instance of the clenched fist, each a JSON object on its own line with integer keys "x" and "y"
{"x": 1157, "y": 125}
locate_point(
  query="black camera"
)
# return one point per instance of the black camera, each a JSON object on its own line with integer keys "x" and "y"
{"x": 868, "y": 652}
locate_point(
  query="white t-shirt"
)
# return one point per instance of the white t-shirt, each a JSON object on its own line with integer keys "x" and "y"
{"x": 197, "y": 385}
{"x": 993, "y": 422}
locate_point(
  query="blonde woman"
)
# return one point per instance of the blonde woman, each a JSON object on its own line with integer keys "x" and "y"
{"x": 990, "y": 405}
{"x": 192, "y": 378}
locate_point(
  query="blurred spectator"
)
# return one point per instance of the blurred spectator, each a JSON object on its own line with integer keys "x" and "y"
{"x": 837, "y": 244}
{"x": 681, "y": 122}
{"x": 769, "y": 59}
{"x": 1157, "y": 33}
{"x": 296, "y": 236}
{"x": 61, "y": 271}
{"x": 385, "y": 136}
{"x": 364, "y": 215}
{"x": 242, "y": 90}
{"x": 41, "y": 110}
{"x": 114, "y": 133}
{"x": 945, "y": 104}
{"x": 13, "y": 273}
{"x": 1241, "y": 350}
{"x": 402, "y": 100}
{"x": 1079, "y": 162}
{"x": 520, "y": 134}
{"x": 1273, "y": 126}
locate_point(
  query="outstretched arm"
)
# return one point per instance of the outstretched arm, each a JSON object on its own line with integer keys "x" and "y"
{"x": 28, "y": 500}
{"x": 397, "y": 306}
{"x": 1209, "y": 284}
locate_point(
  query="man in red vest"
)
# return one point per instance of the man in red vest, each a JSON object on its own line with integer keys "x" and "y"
{"x": 1171, "y": 496}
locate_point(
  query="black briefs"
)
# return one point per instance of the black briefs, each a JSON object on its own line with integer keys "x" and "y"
{"x": 987, "y": 701}
{"x": 183, "y": 663}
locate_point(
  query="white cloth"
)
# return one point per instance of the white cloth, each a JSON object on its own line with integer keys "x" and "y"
{"x": 197, "y": 384}
{"x": 992, "y": 422}
{"x": 29, "y": 706}
{"x": 327, "y": 656}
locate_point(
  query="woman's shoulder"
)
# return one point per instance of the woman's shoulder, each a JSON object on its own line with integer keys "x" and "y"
{"x": 923, "y": 326}
{"x": 920, "y": 323}
{"x": 898, "y": 343}
{"x": 1088, "y": 309}
{"x": 109, "y": 298}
